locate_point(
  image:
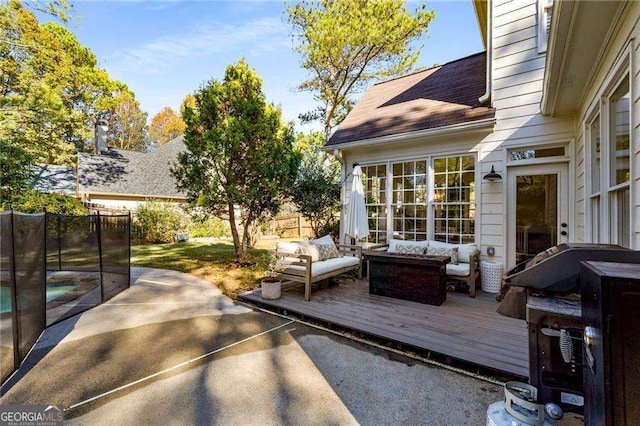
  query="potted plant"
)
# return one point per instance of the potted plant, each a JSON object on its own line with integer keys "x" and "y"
{"x": 272, "y": 285}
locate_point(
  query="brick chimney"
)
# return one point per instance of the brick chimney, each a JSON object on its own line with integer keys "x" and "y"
{"x": 101, "y": 136}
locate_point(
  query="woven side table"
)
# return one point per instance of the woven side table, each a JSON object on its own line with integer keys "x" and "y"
{"x": 491, "y": 276}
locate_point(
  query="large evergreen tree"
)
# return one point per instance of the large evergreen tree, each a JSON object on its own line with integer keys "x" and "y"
{"x": 239, "y": 159}
{"x": 346, "y": 44}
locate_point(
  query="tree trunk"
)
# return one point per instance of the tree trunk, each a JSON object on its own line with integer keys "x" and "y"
{"x": 237, "y": 244}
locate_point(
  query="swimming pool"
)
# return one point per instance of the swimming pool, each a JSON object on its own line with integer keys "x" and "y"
{"x": 53, "y": 292}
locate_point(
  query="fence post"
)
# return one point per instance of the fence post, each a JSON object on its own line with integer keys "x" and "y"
{"x": 129, "y": 256}
{"x": 99, "y": 238}
{"x": 14, "y": 296}
{"x": 59, "y": 229}
{"x": 299, "y": 225}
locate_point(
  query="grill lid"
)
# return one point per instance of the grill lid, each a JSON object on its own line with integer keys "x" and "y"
{"x": 557, "y": 269}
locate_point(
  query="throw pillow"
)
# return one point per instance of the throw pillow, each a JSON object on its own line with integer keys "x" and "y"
{"x": 311, "y": 250}
{"x": 328, "y": 251}
{"x": 409, "y": 249}
{"x": 442, "y": 251}
{"x": 285, "y": 247}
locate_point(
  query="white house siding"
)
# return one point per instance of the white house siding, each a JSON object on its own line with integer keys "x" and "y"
{"x": 517, "y": 82}
{"x": 626, "y": 35}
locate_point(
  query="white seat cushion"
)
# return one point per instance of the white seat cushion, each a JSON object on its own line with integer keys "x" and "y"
{"x": 329, "y": 265}
{"x": 458, "y": 270}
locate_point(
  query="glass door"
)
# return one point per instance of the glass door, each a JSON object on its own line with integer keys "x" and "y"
{"x": 537, "y": 210}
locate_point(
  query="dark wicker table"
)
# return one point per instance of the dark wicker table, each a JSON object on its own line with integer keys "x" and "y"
{"x": 417, "y": 278}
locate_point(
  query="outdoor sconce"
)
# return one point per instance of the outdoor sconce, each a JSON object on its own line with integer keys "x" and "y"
{"x": 492, "y": 176}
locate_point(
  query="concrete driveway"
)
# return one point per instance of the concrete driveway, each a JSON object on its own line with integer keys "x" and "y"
{"x": 172, "y": 350}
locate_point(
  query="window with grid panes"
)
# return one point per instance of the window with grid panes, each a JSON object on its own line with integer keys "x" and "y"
{"x": 409, "y": 202}
{"x": 454, "y": 199}
{"x": 374, "y": 181}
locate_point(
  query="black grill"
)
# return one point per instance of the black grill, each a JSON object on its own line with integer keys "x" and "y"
{"x": 546, "y": 292}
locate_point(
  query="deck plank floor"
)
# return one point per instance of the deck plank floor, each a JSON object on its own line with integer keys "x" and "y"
{"x": 464, "y": 328}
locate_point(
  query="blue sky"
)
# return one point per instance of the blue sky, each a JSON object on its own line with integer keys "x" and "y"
{"x": 164, "y": 50}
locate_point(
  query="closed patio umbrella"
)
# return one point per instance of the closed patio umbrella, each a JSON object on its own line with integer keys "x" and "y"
{"x": 357, "y": 222}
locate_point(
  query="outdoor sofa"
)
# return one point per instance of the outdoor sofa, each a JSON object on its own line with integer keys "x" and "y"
{"x": 465, "y": 258}
{"x": 311, "y": 261}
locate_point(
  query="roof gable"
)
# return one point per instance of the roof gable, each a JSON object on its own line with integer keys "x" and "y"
{"x": 437, "y": 97}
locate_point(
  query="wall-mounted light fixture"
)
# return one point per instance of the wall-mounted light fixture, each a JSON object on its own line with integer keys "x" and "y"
{"x": 492, "y": 176}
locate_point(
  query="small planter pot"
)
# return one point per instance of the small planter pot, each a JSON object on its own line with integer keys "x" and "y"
{"x": 271, "y": 289}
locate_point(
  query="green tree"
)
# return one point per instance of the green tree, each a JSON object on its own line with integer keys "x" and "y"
{"x": 127, "y": 123}
{"x": 316, "y": 192}
{"x": 16, "y": 173}
{"x": 346, "y": 44}
{"x": 239, "y": 157}
{"x": 52, "y": 88}
{"x": 166, "y": 126}
{"x": 34, "y": 201}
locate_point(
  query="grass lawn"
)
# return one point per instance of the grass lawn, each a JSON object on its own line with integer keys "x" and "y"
{"x": 214, "y": 262}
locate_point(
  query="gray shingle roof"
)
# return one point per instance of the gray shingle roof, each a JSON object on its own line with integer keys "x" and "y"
{"x": 131, "y": 172}
{"x": 437, "y": 97}
{"x": 60, "y": 179}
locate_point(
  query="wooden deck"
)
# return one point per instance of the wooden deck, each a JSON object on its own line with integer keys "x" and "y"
{"x": 464, "y": 328}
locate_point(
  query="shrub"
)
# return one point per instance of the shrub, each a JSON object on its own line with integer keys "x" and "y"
{"x": 157, "y": 222}
{"x": 212, "y": 227}
{"x": 34, "y": 201}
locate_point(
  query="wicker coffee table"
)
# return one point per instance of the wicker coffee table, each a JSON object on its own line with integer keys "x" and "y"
{"x": 417, "y": 278}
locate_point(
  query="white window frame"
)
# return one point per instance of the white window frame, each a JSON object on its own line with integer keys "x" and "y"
{"x": 615, "y": 190}
{"x": 394, "y": 203}
{"x": 593, "y": 212}
{"x": 608, "y": 209}
{"x": 544, "y": 7}
{"x": 430, "y": 220}
{"x": 472, "y": 204}
{"x": 384, "y": 206}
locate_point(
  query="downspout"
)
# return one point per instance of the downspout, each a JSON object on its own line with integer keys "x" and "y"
{"x": 486, "y": 98}
{"x": 343, "y": 189}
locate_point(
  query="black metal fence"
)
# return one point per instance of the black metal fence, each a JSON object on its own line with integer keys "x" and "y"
{"x": 53, "y": 267}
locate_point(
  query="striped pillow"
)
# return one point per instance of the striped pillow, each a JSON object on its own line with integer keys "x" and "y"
{"x": 442, "y": 251}
{"x": 409, "y": 249}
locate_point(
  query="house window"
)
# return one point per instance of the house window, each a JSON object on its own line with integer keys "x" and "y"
{"x": 610, "y": 157}
{"x": 374, "y": 180}
{"x": 619, "y": 158}
{"x": 545, "y": 8}
{"x": 409, "y": 203}
{"x": 593, "y": 133}
{"x": 454, "y": 199}
{"x": 530, "y": 154}
{"x": 404, "y": 202}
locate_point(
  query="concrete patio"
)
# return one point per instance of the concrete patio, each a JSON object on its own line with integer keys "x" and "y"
{"x": 173, "y": 350}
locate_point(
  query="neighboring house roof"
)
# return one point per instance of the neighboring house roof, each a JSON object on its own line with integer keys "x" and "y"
{"x": 438, "y": 97}
{"x": 135, "y": 173}
{"x": 60, "y": 179}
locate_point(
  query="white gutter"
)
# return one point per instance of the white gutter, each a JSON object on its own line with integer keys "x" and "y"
{"x": 419, "y": 134}
{"x": 486, "y": 98}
